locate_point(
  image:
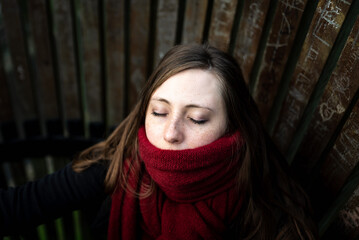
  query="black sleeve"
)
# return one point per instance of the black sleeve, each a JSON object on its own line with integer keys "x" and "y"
{"x": 50, "y": 197}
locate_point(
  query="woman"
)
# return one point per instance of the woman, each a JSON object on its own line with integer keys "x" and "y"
{"x": 191, "y": 161}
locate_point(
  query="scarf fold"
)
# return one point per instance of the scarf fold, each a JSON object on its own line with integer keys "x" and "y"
{"x": 196, "y": 196}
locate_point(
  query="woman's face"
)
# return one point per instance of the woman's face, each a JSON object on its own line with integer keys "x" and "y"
{"x": 186, "y": 111}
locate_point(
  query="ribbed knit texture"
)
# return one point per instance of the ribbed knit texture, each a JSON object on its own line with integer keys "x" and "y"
{"x": 196, "y": 196}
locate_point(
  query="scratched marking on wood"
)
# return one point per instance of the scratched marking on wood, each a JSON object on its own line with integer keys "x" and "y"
{"x": 65, "y": 44}
{"x": 348, "y": 219}
{"x": 284, "y": 28}
{"x": 91, "y": 65}
{"x": 165, "y": 28}
{"x": 344, "y": 155}
{"x": 22, "y": 85}
{"x": 250, "y": 30}
{"x": 322, "y": 33}
{"x": 194, "y": 21}
{"x": 115, "y": 56}
{"x": 39, "y": 26}
{"x": 337, "y": 95}
{"x": 140, "y": 18}
{"x": 221, "y": 23}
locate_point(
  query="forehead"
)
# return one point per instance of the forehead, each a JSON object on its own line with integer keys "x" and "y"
{"x": 191, "y": 85}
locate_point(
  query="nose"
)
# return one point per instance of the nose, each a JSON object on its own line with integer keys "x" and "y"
{"x": 173, "y": 132}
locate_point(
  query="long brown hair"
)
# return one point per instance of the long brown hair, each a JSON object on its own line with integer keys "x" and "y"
{"x": 275, "y": 206}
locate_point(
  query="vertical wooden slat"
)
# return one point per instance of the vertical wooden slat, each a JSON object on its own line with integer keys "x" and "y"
{"x": 280, "y": 41}
{"x": 152, "y": 36}
{"x": 207, "y": 24}
{"x": 307, "y": 17}
{"x": 66, "y": 58}
{"x": 249, "y": 33}
{"x": 10, "y": 80}
{"x": 116, "y": 64}
{"x": 30, "y": 53}
{"x": 88, "y": 17}
{"x": 46, "y": 82}
{"x": 320, "y": 38}
{"x": 341, "y": 88}
{"x": 235, "y": 28}
{"x": 6, "y": 113}
{"x": 167, "y": 12}
{"x": 139, "y": 38}
{"x": 180, "y": 21}
{"x": 21, "y": 84}
{"x": 221, "y": 23}
{"x": 262, "y": 43}
{"x": 127, "y": 32}
{"x": 194, "y": 21}
{"x": 55, "y": 58}
{"x": 103, "y": 65}
{"x": 79, "y": 57}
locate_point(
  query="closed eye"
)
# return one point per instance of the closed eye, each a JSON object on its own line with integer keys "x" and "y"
{"x": 156, "y": 114}
{"x": 198, "y": 121}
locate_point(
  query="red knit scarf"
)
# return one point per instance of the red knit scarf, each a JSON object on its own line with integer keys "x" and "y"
{"x": 196, "y": 196}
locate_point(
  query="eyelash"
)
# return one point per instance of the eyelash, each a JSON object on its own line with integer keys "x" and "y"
{"x": 199, "y": 122}
{"x": 159, "y": 114}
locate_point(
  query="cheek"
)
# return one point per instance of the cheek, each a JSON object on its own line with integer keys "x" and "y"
{"x": 203, "y": 138}
{"x": 152, "y": 130}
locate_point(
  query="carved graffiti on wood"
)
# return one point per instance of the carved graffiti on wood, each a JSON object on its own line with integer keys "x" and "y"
{"x": 337, "y": 95}
{"x": 284, "y": 28}
{"x": 344, "y": 155}
{"x": 348, "y": 220}
{"x": 250, "y": 29}
{"x": 323, "y": 31}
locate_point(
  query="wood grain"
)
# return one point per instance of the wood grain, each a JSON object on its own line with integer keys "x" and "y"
{"x": 21, "y": 86}
{"x": 66, "y": 57}
{"x": 342, "y": 86}
{"x": 322, "y": 33}
{"x": 194, "y": 21}
{"x": 280, "y": 41}
{"x": 6, "y": 113}
{"x": 221, "y": 23}
{"x": 46, "y": 82}
{"x": 91, "y": 65}
{"x": 165, "y": 28}
{"x": 348, "y": 219}
{"x": 139, "y": 43}
{"x": 116, "y": 62}
{"x": 250, "y": 30}
{"x": 344, "y": 155}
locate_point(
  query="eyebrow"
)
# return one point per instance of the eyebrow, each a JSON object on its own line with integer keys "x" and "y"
{"x": 187, "y": 106}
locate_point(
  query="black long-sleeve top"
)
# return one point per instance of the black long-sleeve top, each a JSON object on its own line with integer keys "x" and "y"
{"x": 23, "y": 208}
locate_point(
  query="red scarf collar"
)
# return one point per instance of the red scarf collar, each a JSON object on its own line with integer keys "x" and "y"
{"x": 196, "y": 199}
{"x": 191, "y": 175}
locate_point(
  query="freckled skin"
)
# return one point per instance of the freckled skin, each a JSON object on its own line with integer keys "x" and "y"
{"x": 186, "y": 111}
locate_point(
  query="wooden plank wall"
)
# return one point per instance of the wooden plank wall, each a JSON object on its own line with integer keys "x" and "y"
{"x": 75, "y": 68}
